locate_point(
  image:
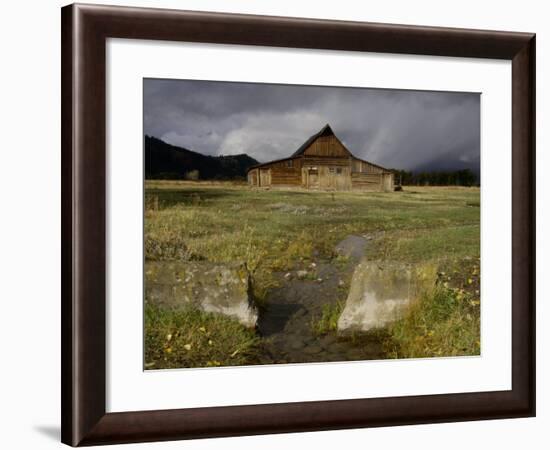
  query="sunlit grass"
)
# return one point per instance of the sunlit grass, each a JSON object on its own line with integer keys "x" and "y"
{"x": 444, "y": 321}
{"x": 272, "y": 230}
{"x": 193, "y": 338}
{"x": 328, "y": 322}
{"x": 279, "y": 230}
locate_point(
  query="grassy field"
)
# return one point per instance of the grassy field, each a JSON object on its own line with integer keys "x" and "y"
{"x": 279, "y": 230}
{"x": 192, "y": 338}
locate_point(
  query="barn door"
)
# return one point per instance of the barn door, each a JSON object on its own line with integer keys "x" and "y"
{"x": 313, "y": 177}
{"x": 264, "y": 177}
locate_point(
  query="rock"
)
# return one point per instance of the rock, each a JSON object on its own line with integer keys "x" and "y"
{"x": 355, "y": 354}
{"x": 217, "y": 288}
{"x": 327, "y": 340}
{"x": 353, "y": 247}
{"x": 312, "y": 349}
{"x": 380, "y": 293}
{"x": 296, "y": 344}
{"x": 338, "y": 348}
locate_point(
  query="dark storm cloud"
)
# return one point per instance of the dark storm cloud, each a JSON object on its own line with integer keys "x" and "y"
{"x": 411, "y": 130}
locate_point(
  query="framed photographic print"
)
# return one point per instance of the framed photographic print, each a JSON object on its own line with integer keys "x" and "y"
{"x": 277, "y": 225}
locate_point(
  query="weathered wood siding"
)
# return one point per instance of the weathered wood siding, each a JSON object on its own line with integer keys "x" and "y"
{"x": 286, "y": 173}
{"x": 388, "y": 182}
{"x": 366, "y": 181}
{"x": 368, "y": 177}
{"x": 329, "y": 177}
{"x": 319, "y": 161}
{"x": 265, "y": 177}
{"x": 365, "y": 167}
{"x": 372, "y": 181}
{"x": 253, "y": 177}
{"x": 327, "y": 146}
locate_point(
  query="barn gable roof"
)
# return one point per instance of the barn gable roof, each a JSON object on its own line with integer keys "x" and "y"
{"x": 325, "y": 131}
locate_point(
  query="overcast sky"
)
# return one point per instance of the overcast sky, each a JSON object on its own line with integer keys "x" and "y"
{"x": 410, "y": 130}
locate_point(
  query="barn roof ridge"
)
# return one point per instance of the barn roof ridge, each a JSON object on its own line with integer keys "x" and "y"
{"x": 326, "y": 130}
{"x": 309, "y": 140}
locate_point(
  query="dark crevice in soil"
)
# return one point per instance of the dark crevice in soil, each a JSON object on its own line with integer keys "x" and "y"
{"x": 287, "y": 322}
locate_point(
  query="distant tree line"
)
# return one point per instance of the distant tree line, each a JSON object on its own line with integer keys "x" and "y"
{"x": 169, "y": 162}
{"x": 463, "y": 177}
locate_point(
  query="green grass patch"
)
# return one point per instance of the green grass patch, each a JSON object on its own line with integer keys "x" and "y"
{"x": 193, "y": 338}
{"x": 435, "y": 244}
{"x": 442, "y": 322}
{"x": 328, "y": 322}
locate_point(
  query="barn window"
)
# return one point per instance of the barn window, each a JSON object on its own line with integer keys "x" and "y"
{"x": 339, "y": 171}
{"x": 289, "y": 163}
{"x": 332, "y": 170}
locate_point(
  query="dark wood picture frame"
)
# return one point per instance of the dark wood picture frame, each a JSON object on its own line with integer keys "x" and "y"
{"x": 85, "y": 29}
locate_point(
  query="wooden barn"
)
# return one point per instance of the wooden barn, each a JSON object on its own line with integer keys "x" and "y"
{"x": 322, "y": 162}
